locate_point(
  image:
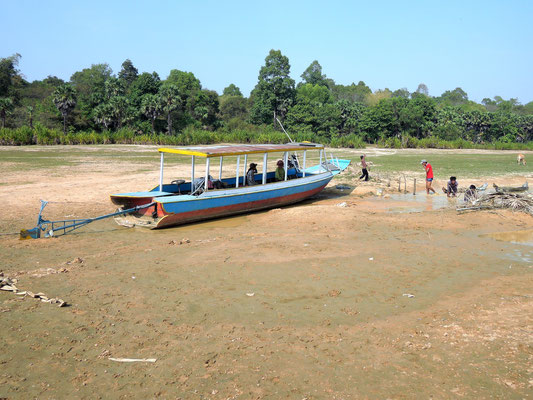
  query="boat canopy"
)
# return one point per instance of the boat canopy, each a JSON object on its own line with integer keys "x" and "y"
{"x": 235, "y": 150}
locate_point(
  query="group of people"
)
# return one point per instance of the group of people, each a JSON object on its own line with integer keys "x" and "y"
{"x": 452, "y": 186}
{"x": 450, "y": 190}
{"x": 252, "y": 170}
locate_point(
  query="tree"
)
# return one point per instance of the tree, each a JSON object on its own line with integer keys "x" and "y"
{"x": 151, "y": 108}
{"x": 144, "y": 84}
{"x": 476, "y": 124}
{"x": 90, "y": 88}
{"x": 53, "y": 81}
{"x": 114, "y": 87}
{"x": 119, "y": 106}
{"x": 313, "y": 75}
{"x": 312, "y": 93}
{"x": 418, "y": 116}
{"x": 351, "y": 114}
{"x": 188, "y": 86}
{"x": 422, "y": 89}
{"x": 274, "y": 92}
{"x": 103, "y": 114}
{"x": 204, "y": 108}
{"x": 233, "y": 107}
{"x": 454, "y": 97}
{"x": 30, "y": 110}
{"x": 353, "y": 92}
{"x": 65, "y": 101}
{"x": 314, "y": 119}
{"x": 9, "y": 75}
{"x": 128, "y": 73}
{"x": 403, "y": 93}
{"x": 232, "y": 90}
{"x": 38, "y": 95}
{"x": 528, "y": 108}
{"x": 6, "y": 106}
{"x": 170, "y": 100}
{"x": 374, "y": 98}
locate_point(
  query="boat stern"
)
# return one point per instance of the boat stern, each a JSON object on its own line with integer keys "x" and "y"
{"x": 148, "y": 217}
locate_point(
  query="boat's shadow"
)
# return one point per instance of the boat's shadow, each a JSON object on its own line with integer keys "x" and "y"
{"x": 329, "y": 193}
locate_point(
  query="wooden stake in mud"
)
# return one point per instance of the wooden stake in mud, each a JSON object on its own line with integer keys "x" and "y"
{"x": 414, "y": 186}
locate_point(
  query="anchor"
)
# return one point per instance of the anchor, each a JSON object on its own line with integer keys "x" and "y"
{"x": 46, "y": 228}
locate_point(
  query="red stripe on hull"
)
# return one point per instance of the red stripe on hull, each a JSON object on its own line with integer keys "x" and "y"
{"x": 130, "y": 202}
{"x": 193, "y": 216}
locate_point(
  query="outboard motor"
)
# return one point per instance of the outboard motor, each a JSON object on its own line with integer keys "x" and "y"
{"x": 292, "y": 162}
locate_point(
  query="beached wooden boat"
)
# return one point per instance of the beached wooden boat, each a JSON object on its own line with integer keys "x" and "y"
{"x": 511, "y": 189}
{"x": 180, "y": 202}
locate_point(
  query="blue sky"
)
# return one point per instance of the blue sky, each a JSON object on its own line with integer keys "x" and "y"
{"x": 484, "y": 47}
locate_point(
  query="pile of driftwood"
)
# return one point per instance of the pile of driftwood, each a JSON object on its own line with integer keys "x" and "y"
{"x": 503, "y": 200}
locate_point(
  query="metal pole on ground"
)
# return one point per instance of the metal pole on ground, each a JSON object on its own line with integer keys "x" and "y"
{"x": 220, "y": 170}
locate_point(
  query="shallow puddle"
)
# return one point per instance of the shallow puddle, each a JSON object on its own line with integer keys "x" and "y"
{"x": 407, "y": 203}
{"x": 519, "y": 237}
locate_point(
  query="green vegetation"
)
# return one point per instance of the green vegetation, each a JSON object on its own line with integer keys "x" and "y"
{"x": 461, "y": 165}
{"x": 98, "y": 107}
{"x": 446, "y": 165}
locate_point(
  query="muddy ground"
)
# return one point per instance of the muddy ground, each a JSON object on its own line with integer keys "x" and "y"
{"x": 304, "y": 302}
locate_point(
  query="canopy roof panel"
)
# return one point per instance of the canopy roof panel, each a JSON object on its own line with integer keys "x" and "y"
{"x": 238, "y": 149}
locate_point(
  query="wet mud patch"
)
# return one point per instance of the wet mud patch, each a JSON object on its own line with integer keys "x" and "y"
{"x": 518, "y": 237}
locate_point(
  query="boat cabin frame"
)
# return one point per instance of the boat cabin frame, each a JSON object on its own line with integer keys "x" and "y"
{"x": 243, "y": 151}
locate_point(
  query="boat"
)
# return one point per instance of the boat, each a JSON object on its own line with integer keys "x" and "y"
{"x": 511, "y": 189}
{"x": 179, "y": 201}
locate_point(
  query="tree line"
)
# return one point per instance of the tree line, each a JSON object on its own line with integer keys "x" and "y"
{"x": 316, "y": 108}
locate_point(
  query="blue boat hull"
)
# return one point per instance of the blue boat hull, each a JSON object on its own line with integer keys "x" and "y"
{"x": 171, "y": 210}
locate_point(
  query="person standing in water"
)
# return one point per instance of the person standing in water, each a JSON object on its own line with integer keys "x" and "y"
{"x": 364, "y": 168}
{"x": 429, "y": 176}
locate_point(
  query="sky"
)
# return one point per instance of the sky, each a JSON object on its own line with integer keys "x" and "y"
{"x": 484, "y": 47}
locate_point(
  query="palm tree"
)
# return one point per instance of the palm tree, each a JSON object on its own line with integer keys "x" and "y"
{"x": 170, "y": 101}
{"x": 6, "y": 106}
{"x": 103, "y": 114}
{"x": 64, "y": 98}
{"x": 30, "y": 115}
{"x": 118, "y": 104}
{"x": 151, "y": 107}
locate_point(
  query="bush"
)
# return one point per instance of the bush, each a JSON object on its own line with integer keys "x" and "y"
{"x": 351, "y": 141}
{"x": 245, "y": 134}
{"x": 16, "y": 137}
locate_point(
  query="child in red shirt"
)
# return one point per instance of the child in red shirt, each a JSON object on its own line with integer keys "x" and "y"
{"x": 429, "y": 176}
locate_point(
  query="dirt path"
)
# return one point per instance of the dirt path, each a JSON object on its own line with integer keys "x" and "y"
{"x": 304, "y": 302}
